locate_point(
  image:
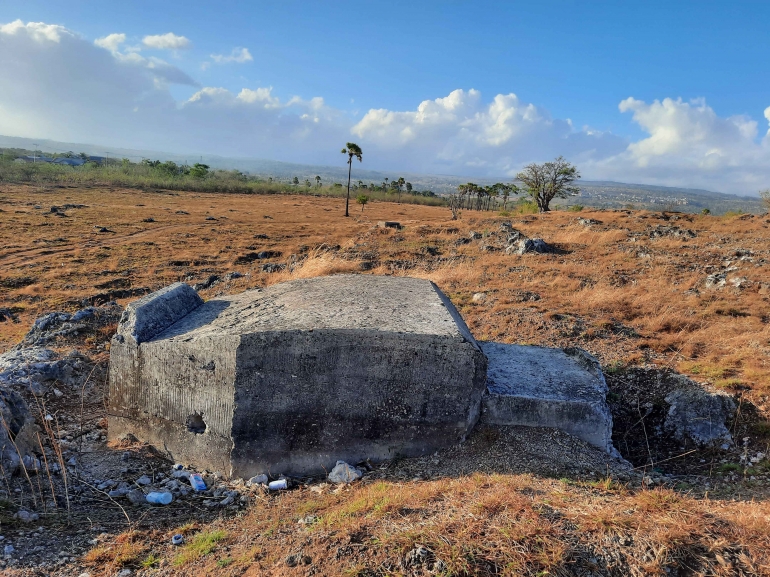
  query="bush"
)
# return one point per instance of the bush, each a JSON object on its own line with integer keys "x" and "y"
{"x": 765, "y": 195}
{"x": 575, "y": 208}
{"x": 705, "y": 211}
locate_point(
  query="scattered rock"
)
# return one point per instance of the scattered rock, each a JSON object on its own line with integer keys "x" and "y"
{"x": 661, "y": 231}
{"x": 536, "y": 245}
{"x": 208, "y": 283}
{"x": 136, "y": 497}
{"x": 716, "y": 280}
{"x": 53, "y": 325}
{"x": 272, "y": 267}
{"x": 33, "y": 368}
{"x": 148, "y": 219}
{"x": 522, "y": 296}
{"x": 588, "y": 221}
{"x": 344, "y": 473}
{"x": 252, "y": 256}
{"x": 257, "y": 480}
{"x": 7, "y": 314}
{"x": 479, "y": 298}
{"x": 21, "y": 423}
{"x": 26, "y": 516}
{"x": 699, "y": 416}
{"x": 473, "y": 235}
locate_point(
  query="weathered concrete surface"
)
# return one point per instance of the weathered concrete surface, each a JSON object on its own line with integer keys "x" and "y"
{"x": 541, "y": 387}
{"x": 145, "y": 318}
{"x": 294, "y": 377}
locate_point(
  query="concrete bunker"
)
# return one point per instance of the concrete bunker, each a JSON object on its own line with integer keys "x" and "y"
{"x": 291, "y": 378}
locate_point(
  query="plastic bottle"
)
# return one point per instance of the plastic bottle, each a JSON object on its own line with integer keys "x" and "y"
{"x": 279, "y": 484}
{"x": 177, "y": 539}
{"x": 159, "y": 498}
{"x": 197, "y": 482}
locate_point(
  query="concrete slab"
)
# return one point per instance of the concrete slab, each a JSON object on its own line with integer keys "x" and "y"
{"x": 291, "y": 378}
{"x": 543, "y": 387}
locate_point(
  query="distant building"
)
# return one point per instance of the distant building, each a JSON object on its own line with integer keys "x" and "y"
{"x": 34, "y": 159}
{"x": 70, "y": 161}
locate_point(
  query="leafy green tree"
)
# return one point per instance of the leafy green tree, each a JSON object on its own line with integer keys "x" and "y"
{"x": 317, "y": 181}
{"x": 544, "y": 182}
{"x": 307, "y": 183}
{"x": 295, "y": 181}
{"x": 362, "y": 199}
{"x": 199, "y": 170}
{"x": 409, "y": 187}
{"x": 351, "y": 149}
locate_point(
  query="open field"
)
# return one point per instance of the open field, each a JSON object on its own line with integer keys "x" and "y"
{"x": 614, "y": 291}
{"x": 635, "y": 288}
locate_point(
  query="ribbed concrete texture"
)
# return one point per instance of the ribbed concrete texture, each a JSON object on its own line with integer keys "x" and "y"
{"x": 542, "y": 387}
{"x": 291, "y": 378}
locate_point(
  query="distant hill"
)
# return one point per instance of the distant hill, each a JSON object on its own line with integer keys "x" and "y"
{"x": 600, "y": 194}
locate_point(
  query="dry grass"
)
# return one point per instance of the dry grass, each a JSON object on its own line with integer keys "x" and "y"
{"x": 610, "y": 273}
{"x": 477, "y": 525}
{"x": 614, "y": 291}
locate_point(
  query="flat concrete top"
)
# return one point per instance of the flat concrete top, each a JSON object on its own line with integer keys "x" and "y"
{"x": 543, "y": 373}
{"x": 353, "y": 302}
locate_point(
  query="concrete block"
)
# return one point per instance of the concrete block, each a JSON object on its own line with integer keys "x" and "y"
{"x": 389, "y": 224}
{"x": 145, "y": 318}
{"x": 294, "y": 377}
{"x": 542, "y": 387}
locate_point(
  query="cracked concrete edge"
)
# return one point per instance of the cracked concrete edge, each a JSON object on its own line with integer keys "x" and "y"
{"x": 459, "y": 321}
{"x": 152, "y": 314}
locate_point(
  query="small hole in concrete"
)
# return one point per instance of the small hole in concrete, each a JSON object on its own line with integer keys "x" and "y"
{"x": 196, "y": 424}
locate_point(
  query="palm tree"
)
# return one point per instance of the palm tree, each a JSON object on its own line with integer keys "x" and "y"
{"x": 317, "y": 181}
{"x": 351, "y": 149}
{"x": 401, "y": 183}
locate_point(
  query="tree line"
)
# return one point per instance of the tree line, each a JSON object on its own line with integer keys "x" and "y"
{"x": 541, "y": 182}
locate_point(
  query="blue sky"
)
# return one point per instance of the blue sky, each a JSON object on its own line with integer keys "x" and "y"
{"x": 569, "y": 64}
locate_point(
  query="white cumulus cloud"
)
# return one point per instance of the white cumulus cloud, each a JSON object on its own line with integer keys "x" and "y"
{"x": 689, "y": 144}
{"x": 168, "y": 41}
{"x": 37, "y": 31}
{"x": 463, "y": 134}
{"x": 238, "y": 55}
{"x": 58, "y": 85}
{"x": 111, "y": 42}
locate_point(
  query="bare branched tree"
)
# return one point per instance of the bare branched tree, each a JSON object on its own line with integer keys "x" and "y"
{"x": 544, "y": 182}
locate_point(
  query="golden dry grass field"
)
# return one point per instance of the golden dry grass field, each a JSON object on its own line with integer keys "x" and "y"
{"x": 612, "y": 280}
{"x": 631, "y": 287}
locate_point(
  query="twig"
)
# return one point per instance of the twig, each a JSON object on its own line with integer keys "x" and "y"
{"x": 47, "y": 470}
{"x": 63, "y": 465}
{"x": 110, "y": 498}
{"x": 669, "y": 459}
{"x": 82, "y": 397}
